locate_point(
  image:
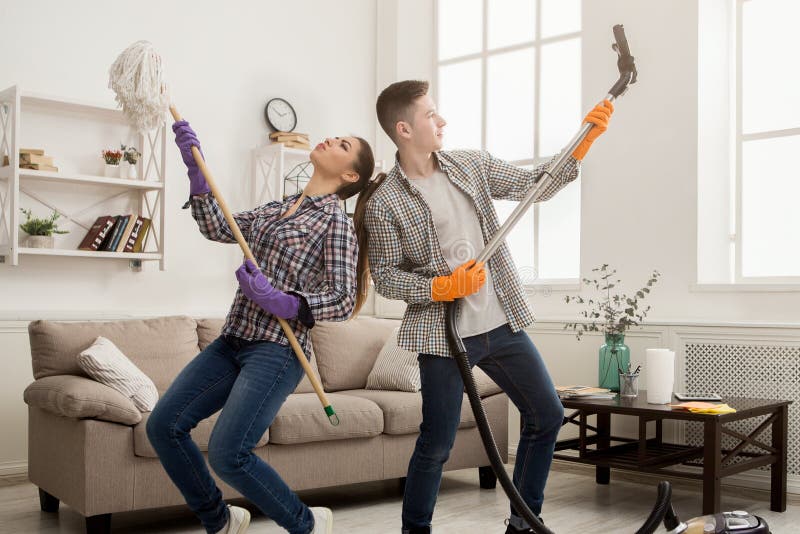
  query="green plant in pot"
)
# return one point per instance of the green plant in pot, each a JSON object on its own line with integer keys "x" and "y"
{"x": 40, "y": 231}
{"x": 611, "y": 313}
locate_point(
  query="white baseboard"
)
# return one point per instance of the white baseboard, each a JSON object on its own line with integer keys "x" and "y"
{"x": 18, "y": 469}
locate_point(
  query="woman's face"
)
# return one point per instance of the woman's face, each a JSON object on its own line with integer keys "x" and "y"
{"x": 336, "y": 156}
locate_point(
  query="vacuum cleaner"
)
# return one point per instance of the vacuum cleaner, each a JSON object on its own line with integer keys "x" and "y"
{"x": 738, "y": 522}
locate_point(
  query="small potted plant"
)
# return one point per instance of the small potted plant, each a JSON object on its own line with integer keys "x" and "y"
{"x": 112, "y": 158}
{"x": 40, "y": 231}
{"x": 131, "y": 157}
{"x": 612, "y": 314}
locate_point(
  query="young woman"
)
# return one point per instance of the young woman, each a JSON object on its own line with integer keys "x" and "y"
{"x": 307, "y": 254}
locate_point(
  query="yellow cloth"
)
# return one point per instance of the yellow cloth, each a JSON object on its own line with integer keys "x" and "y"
{"x": 704, "y": 407}
{"x": 717, "y": 409}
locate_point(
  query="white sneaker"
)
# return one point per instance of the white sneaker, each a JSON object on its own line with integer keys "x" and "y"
{"x": 238, "y": 521}
{"x": 323, "y": 520}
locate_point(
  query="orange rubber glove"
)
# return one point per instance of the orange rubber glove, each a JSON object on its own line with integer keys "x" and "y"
{"x": 599, "y": 116}
{"x": 465, "y": 280}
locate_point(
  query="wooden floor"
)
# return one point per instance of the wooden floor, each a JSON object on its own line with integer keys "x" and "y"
{"x": 574, "y": 503}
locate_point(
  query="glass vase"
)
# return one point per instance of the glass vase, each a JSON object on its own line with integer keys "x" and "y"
{"x": 614, "y": 358}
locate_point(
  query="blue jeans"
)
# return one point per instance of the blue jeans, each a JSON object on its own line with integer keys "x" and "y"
{"x": 249, "y": 381}
{"x": 512, "y": 361}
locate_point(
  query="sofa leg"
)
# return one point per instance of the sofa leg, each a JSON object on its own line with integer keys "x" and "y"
{"x": 98, "y": 524}
{"x": 487, "y": 477}
{"x": 47, "y": 502}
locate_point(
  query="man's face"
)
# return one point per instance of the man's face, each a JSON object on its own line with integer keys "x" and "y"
{"x": 426, "y": 126}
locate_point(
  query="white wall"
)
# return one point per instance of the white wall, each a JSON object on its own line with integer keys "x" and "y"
{"x": 223, "y": 61}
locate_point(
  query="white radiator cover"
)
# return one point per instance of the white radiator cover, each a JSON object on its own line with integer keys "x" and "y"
{"x": 769, "y": 371}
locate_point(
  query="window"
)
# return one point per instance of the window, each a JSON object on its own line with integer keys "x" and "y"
{"x": 509, "y": 81}
{"x": 749, "y": 127}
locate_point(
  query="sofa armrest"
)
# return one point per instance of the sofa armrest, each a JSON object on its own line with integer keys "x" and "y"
{"x": 81, "y": 398}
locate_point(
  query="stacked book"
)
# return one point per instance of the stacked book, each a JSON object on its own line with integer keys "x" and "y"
{"x": 117, "y": 233}
{"x": 584, "y": 392}
{"x": 35, "y": 159}
{"x": 291, "y": 139}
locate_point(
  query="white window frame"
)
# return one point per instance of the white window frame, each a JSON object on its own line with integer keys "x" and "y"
{"x": 484, "y": 55}
{"x": 740, "y": 139}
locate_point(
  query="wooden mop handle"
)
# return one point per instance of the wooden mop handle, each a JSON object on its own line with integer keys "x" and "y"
{"x": 237, "y": 234}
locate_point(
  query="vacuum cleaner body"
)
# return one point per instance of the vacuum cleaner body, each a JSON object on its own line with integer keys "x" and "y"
{"x": 736, "y": 522}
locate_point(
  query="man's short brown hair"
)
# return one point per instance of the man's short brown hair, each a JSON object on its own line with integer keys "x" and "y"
{"x": 395, "y": 102}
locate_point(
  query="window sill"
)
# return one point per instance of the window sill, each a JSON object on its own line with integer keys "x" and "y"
{"x": 744, "y": 288}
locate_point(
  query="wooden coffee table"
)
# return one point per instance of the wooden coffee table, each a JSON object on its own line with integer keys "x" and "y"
{"x": 596, "y": 445}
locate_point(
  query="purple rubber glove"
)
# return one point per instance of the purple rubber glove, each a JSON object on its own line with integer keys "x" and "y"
{"x": 258, "y": 289}
{"x": 185, "y": 138}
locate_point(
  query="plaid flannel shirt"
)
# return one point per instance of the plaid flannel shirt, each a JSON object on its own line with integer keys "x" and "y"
{"x": 311, "y": 254}
{"x": 404, "y": 251}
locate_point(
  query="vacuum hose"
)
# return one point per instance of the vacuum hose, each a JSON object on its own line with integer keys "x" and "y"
{"x": 627, "y": 76}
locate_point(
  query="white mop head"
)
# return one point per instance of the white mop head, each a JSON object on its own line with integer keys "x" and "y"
{"x": 135, "y": 77}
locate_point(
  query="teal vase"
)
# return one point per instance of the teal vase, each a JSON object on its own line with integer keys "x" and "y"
{"x": 614, "y": 355}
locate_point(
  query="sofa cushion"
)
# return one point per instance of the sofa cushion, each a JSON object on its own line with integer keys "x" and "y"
{"x": 402, "y": 411}
{"x": 81, "y": 398}
{"x": 209, "y": 329}
{"x": 486, "y": 385}
{"x": 106, "y": 364}
{"x": 395, "y": 369}
{"x": 200, "y": 435}
{"x": 160, "y": 347}
{"x": 346, "y": 351}
{"x": 301, "y": 419}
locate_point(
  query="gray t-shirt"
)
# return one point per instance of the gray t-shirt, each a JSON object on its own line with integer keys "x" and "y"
{"x": 461, "y": 239}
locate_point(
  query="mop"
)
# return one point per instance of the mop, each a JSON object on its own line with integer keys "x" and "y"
{"x": 136, "y": 77}
{"x": 662, "y": 510}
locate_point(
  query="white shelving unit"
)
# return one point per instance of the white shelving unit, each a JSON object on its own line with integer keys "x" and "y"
{"x": 147, "y": 192}
{"x": 270, "y": 165}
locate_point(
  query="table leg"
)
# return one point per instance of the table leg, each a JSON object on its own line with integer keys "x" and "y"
{"x": 603, "y": 474}
{"x": 712, "y": 460}
{"x": 777, "y": 497}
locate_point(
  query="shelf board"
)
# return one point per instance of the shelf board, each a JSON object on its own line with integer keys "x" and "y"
{"x": 90, "y": 253}
{"x": 59, "y": 177}
{"x": 52, "y": 103}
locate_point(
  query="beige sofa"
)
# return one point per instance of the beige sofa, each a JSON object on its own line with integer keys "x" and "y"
{"x": 88, "y": 446}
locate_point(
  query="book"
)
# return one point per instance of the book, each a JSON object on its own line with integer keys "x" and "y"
{"x": 107, "y": 234}
{"x": 38, "y": 167}
{"x": 100, "y": 226}
{"x": 141, "y": 240}
{"x": 122, "y": 224}
{"x": 583, "y": 392}
{"x": 106, "y": 245}
{"x": 36, "y": 158}
{"x": 131, "y": 241}
{"x": 275, "y": 135}
{"x": 35, "y": 151}
{"x": 294, "y": 144}
{"x": 123, "y": 239}
{"x": 297, "y": 138}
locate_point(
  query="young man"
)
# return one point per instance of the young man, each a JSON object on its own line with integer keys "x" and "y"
{"x": 422, "y": 223}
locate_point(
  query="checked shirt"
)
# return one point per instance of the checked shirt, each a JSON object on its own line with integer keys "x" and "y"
{"x": 312, "y": 254}
{"x": 404, "y": 251}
